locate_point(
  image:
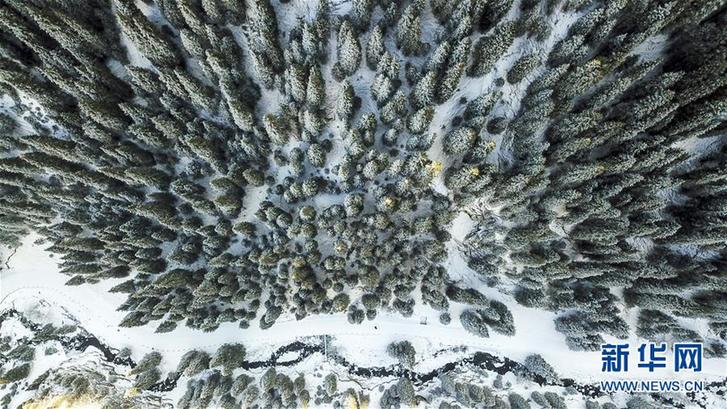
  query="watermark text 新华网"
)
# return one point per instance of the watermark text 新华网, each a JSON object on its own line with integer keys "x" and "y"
{"x": 654, "y": 357}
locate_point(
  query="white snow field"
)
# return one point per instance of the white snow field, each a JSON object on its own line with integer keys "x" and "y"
{"x": 31, "y": 276}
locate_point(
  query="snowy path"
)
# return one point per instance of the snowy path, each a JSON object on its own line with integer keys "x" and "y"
{"x": 33, "y": 276}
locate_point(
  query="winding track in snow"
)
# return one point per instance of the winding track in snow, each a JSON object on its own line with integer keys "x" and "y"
{"x": 288, "y": 331}
{"x": 282, "y": 331}
{"x": 499, "y": 365}
{"x": 33, "y": 276}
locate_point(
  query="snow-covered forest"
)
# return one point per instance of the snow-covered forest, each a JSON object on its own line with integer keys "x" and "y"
{"x": 211, "y": 203}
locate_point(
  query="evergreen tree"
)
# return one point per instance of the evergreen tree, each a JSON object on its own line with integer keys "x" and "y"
{"x": 349, "y": 52}
{"x": 408, "y": 30}
{"x": 490, "y": 48}
{"x": 375, "y": 47}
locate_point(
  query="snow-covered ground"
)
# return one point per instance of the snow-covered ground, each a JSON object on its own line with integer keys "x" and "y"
{"x": 31, "y": 275}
